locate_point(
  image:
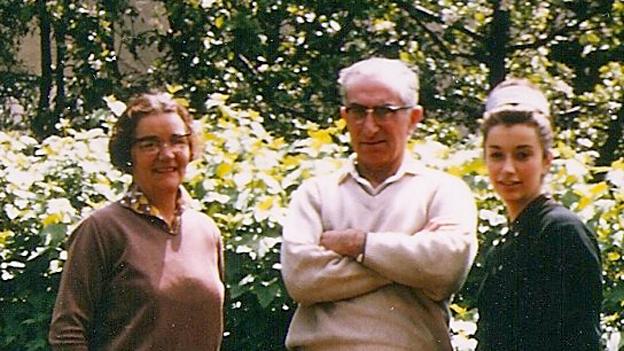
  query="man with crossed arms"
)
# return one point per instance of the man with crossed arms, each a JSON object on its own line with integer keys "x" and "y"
{"x": 373, "y": 253}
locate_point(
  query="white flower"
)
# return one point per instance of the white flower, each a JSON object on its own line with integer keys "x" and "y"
{"x": 616, "y": 176}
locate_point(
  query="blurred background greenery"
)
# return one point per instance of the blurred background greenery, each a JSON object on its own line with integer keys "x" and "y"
{"x": 260, "y": 78}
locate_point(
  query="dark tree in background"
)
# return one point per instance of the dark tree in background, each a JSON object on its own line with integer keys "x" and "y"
{"x": 281, "y": 59}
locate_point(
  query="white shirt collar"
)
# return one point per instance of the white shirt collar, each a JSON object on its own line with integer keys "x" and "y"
{"x": 409, "y": 165}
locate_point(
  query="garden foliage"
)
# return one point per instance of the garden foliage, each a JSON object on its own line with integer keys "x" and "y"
{"x": 269, "y": 68}
{"x": 244, "y": 180}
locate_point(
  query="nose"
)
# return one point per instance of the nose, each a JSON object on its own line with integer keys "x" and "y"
{"x": 369, "y": 124}
{"x": 508, "y": 165}
{"x": 166, "y": 151}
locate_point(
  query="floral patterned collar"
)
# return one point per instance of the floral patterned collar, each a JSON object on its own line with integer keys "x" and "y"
{"x": 136, "y": 200}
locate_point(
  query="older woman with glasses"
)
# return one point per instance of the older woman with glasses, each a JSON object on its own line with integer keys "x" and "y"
{"x": 145, "y": 272}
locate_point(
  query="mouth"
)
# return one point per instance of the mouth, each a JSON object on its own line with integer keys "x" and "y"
{"x": 373, "y": 143}
{"x": 165, "y": 170}
{"x": 509, "y": 183}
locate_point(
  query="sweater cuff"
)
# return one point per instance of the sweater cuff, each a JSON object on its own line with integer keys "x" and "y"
{"x": 360, "y": 257}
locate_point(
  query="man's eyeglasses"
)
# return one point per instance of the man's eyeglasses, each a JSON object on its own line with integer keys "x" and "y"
{"x": 153, "y": 144}
{"x": 380, "y": 113}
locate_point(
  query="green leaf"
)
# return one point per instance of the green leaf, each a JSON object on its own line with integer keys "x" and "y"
{"x": 57, "y": 232}
{"x": 266, "y": 294}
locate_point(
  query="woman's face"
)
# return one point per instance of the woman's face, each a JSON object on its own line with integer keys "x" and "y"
{"x": 516, "y": 164}
{"x": 160, "y": 153}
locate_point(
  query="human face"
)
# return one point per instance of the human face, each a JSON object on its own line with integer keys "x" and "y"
{"x": 379, "y": 144}
{"x": 160, "y": 153}
{"x": 516, "y": 164}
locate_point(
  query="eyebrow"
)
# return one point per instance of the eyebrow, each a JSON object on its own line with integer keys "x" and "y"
{"x": 154, "y": 137}
{"x": 522, "y": 147}
{"x": 387, "y": 104}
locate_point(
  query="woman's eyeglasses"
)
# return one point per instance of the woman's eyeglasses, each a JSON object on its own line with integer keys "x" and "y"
{"x": 153, "y": 144}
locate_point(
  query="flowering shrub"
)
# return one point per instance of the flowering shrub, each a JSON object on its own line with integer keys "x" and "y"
{"x": 243, "y": 180}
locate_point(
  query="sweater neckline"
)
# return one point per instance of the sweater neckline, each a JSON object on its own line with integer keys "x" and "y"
{"x": 529, "y": 211}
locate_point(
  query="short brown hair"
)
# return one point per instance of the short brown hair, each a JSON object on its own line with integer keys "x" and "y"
{"x": 124, "y": 129}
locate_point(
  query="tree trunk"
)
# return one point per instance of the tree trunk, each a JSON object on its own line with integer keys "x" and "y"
{"x": 497, "y": 43}
{"x": 177, "y": 38}
{"x": 608, "y": 150}
{"x": 61, "y": 49}
{"x": 41, "y": 124}
{"x": 113, "y": 9}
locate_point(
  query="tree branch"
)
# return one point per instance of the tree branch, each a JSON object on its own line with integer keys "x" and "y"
{"x": 421, "y": 15}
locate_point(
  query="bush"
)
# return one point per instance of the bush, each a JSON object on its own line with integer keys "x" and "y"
{"x": 243, "y": 180}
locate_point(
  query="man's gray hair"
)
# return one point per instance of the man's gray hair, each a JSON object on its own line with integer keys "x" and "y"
{"x": 394, "y": 73}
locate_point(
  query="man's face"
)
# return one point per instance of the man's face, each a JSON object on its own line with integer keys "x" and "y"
{"x": 378, "y": 142}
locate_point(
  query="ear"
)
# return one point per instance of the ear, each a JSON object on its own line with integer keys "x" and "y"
{"x": 547, "y": 161}
{"x": 343, "y": 113}
{"x": 416, "y": 116}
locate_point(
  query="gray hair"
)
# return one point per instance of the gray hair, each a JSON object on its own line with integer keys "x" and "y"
{"x": 394, "y": 73}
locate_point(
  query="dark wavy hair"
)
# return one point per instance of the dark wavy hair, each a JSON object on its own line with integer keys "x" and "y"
{"x": 124, "y": 129}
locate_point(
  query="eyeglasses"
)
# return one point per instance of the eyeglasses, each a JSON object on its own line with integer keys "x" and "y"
{"x": 153, "y": 144}
{"x": 380, "y": 113}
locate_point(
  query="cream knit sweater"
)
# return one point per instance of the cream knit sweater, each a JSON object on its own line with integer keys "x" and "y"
{"x": 397, "y": 298}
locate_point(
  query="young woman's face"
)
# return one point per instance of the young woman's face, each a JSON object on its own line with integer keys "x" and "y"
{"x": 516, "y": 164}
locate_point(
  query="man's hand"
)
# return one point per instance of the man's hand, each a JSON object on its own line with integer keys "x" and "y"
{"x": 349, "y": 242}
{"x": 432, "y": 226}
